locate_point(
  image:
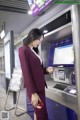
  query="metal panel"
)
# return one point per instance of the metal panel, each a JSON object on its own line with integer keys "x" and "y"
{"x": 76, "y": 41}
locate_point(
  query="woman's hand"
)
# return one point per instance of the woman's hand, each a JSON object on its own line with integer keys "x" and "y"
{"x": 50, "y": 69}
{"x": 34, "y": 99}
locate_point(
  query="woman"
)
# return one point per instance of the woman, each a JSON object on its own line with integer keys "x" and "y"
{"x": 33, "y": 72}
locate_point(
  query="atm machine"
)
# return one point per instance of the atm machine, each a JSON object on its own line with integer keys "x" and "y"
{"x": 61, "y": 57}
{"x": 59, "y": 49}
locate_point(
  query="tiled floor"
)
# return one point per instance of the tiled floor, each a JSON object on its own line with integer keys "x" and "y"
{"x": 22, "y": 102}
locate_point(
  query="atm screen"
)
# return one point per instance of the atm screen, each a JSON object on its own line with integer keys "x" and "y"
{"x": 63, "y": 55}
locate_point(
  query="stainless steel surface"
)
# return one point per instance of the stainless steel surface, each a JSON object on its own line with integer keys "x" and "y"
{"x": 76, "y": 41}
{"x": 61, "y": 96}
{"x": 57, "y": 12}
{"x": 60, "y": 33}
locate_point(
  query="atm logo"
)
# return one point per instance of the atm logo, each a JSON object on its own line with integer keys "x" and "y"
{"x": 67, "y": 1}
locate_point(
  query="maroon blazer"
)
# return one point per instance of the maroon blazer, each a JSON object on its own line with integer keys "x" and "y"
{"x": 32, "y": 70}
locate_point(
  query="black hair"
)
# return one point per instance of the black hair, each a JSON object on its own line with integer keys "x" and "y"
{"x": 33, "y": 35}
{"x": 36, "y": 50}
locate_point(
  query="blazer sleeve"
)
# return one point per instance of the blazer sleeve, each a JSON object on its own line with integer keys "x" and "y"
{"x": 45, "y": 72}
{"x": 44, "y": 69}
{"x": 28, "y": 82}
